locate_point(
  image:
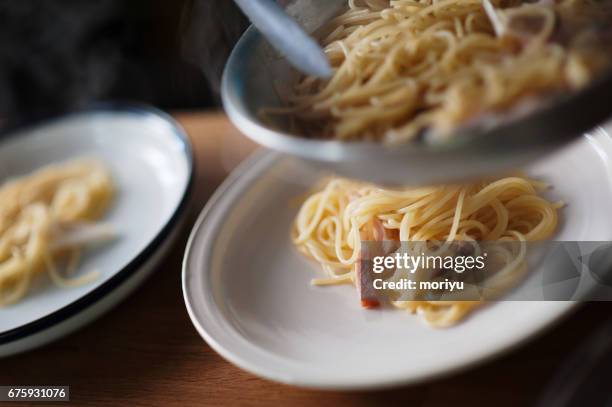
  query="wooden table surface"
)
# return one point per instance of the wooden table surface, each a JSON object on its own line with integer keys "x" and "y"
{"x": 145, "y": 352}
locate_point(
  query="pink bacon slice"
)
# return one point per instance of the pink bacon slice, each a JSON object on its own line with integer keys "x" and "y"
{"x": 363, "y": 280}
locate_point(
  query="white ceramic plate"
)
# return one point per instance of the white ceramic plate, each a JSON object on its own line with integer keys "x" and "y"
{"x": 248, "y": 293}
{"x": 151, "y": 165}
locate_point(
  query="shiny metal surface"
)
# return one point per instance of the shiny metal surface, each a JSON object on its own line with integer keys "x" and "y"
{"x": 286, "y": 35}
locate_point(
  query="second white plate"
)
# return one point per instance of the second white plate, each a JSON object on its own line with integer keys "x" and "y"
{"x": 248, "y": 294}
{"x": 150, "y": 161}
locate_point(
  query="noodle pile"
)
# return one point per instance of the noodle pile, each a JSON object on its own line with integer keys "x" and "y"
{"x": 409, "y": 68}
{"x": 333, "y": 223}
{"x": 46, "y": 216}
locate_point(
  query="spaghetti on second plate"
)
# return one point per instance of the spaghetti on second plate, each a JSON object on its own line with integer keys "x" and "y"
{"x": 333, "y": 223}
{"x": 48, "y": 216}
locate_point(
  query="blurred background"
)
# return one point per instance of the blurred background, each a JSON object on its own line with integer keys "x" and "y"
{"x": 58, "y": 55}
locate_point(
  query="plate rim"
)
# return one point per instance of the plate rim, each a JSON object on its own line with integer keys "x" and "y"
{"x": 323, "y": 384}
{"x": 91, "y": 298}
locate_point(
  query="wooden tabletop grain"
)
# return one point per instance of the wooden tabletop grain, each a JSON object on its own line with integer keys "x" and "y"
{"x": 145, "y": 352}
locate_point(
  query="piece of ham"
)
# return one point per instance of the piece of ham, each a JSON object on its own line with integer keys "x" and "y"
{"x": 365, "y": 287}
{"x": 364, "y": 281}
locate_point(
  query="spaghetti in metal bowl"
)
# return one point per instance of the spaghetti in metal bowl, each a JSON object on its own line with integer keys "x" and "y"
{"x": 410, "y": 68}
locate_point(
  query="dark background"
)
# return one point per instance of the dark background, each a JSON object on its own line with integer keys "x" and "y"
{"x": 58, "y": 55}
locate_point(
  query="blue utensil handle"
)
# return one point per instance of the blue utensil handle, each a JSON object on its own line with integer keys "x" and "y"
{"x": 287, "y": 36}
